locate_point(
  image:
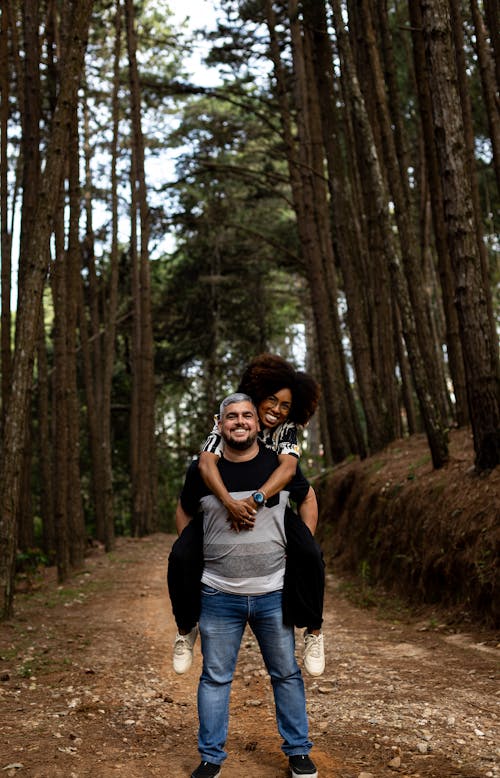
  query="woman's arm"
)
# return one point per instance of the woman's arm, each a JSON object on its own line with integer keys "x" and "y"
{"x": 239, "y": 510}
{"x": 280, "y": 477}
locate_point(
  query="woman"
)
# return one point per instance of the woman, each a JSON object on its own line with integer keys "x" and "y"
{"x": 284, "y": 398}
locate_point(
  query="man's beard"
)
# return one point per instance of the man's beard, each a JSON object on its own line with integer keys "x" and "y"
{"x": 240, "y": 445}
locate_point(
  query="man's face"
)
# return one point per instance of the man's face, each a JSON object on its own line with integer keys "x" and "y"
{"x": 238, "y": 425}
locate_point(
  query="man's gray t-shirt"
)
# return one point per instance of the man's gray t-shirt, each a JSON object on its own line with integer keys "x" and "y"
{"x": 250, "y": 561}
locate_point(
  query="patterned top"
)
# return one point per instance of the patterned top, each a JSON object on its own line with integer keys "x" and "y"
{"x": 281, "y": 439}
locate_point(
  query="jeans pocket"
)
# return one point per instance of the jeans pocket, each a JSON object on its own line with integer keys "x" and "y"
{"x": 209, "y": 590}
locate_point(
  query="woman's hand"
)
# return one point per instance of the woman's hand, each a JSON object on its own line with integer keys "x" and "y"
{"x": 241, "y": 513}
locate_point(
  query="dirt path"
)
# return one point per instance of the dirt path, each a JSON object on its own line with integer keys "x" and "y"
{"x": 87, "y": 689}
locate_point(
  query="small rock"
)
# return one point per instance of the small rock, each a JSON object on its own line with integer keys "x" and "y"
{"x": 395, "y": 763}
{"x": 422, "y": 747}
{"x": 366, "y": 775}
{"x": 479, "y": 733}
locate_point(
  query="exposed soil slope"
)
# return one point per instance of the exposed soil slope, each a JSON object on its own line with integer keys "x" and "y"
{"x": 87, "y": 688}
{"x": 432, "y": 536}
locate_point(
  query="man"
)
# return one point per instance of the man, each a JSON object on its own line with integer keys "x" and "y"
{"x": 242, "y": 584}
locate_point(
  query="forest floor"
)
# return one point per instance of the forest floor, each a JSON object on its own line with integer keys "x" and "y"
{"x": 87, "y": 686}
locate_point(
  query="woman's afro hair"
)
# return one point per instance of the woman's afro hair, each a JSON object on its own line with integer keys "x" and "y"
{"x": 267, "y": 373}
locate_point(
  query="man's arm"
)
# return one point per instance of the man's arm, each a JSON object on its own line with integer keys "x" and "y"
{"x": 189, "y": 499}
{"x": 308, "y": 510}
{"x": 182, "y": 518}
{"x": 304, "y": 496}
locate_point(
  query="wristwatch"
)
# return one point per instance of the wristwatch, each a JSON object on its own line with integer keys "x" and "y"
{"x": 259, "y": 498}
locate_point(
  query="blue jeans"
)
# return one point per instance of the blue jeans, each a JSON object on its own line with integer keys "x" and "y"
{"x": 222, "y": 624}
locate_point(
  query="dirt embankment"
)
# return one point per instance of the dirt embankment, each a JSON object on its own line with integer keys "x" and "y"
{"x": 87, "y": 689}
{"x": 431, "y": 536}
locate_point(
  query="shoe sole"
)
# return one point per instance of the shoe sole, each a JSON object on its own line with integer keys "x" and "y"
{"x": 183, "y": 671}
{"x": 314, "y": 674}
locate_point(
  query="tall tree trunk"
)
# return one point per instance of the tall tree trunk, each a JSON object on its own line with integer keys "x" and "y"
{"x": 45, "y": 455}
{"x": 478, "y": 340}
{"x": 492, "y": 12}
{"x": 396, "y": 168}
{"x": 146, "y": 467}
{"x": 436, "y": 434}
{"x": 72, "y": 265}
{"x": 60, "y": 394}
{"x": 30, "y": 142}
{"x": 347, "y": 233}
{"x": 29, "y": 312}
{"x": 112, "y": 307}
{"x": 455, "y": 16}
{"x": 380, "y": 308}
{"x": 490, "y": 87}
{"x": 5, "y": 244}
{"x": 454, "y": 346}
{"x": 341, "y": 440}
{"x": 90, "y": 337}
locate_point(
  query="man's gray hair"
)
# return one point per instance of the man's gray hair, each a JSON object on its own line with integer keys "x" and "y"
{"x": 236, "y": 397}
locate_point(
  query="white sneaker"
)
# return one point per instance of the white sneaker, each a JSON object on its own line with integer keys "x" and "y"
{"x": 183, "y": 651}
{"x": 314, "y": 653}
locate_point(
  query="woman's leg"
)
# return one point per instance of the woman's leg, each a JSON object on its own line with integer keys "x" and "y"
{"x": 185, "y": 566}
{"x": 304, "y": 586}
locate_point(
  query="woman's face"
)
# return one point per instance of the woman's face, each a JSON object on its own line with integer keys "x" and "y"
{"x": 275, "y": 408}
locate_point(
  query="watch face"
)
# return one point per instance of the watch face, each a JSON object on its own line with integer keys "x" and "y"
{"x": 259, "y": 498}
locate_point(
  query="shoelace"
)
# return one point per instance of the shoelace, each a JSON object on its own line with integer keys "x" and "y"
{"x": 313, "y": 645}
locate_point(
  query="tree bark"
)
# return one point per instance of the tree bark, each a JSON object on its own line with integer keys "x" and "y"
{"x": 436, "y": 434}
{"x": 60, "y": 394}
{"x": 90, "y": 339}
{"x": 5, "y": 245}
{"x": 347, "y": 239}
{"x": 72, "y": 266}
{"x": 29, "y": 311}
{"x": 478, "y": 340}
{"x": 112, "y": 307}
{"x": 45, "y": 456}
{"x": 454, "y": 346}
{"x": 340, "y": 442}
{"x": 397, "y": 176}
{"x": 145, "y": 498}
{"x": 456, "y": 21}
{"x": 492, "y": 12}
{"x": 490, "y": 87}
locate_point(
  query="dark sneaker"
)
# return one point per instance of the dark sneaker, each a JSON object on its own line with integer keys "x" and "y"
{"x": 302, "y": 765}
{"x": 207, "y": 770}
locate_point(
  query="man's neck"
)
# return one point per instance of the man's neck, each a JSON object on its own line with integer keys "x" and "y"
{"x": 236, "y": 455}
